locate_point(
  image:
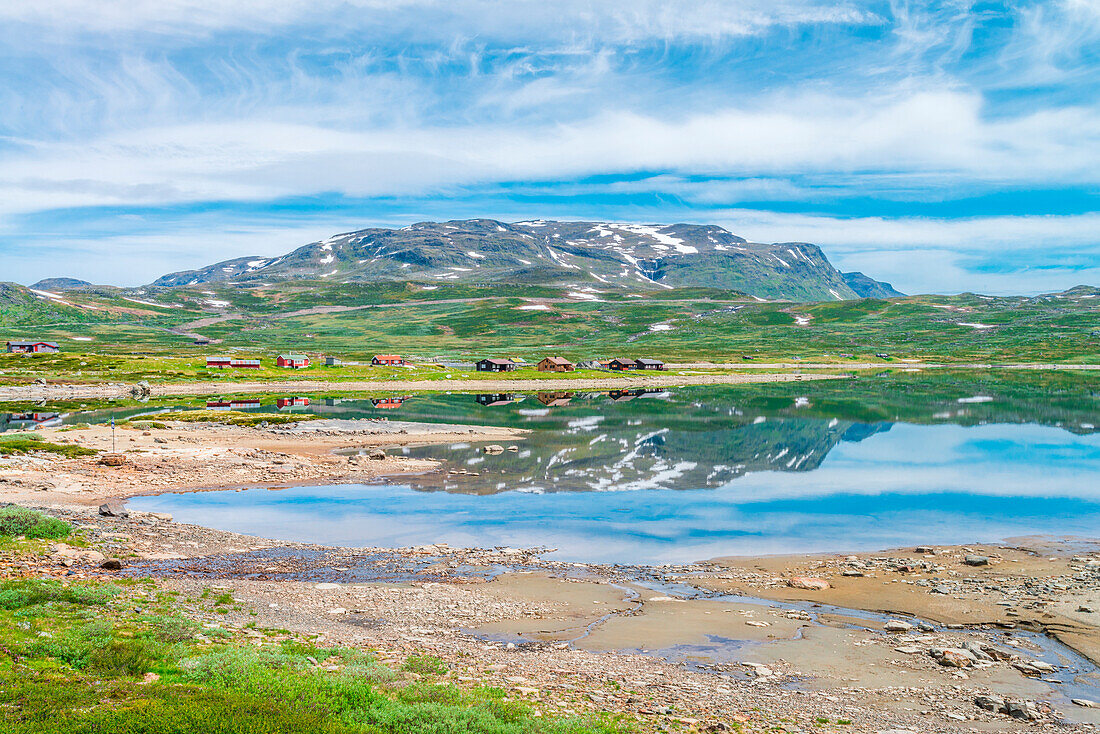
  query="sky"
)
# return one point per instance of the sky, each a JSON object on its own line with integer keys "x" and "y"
{"x": 941, "y": 146}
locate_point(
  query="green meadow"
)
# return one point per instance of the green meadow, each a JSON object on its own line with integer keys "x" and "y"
{"x": 85, "y": 657}
{"x": 106, "y": 334}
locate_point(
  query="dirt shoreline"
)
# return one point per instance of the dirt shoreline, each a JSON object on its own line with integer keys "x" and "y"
{"x": 12, "y": 393}
{"x": 587, "y": 637}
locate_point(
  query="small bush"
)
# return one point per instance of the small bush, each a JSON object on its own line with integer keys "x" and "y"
{"x": 21, "y": 521}
{"x": 424, "y": 665}
{"x": 122, "y": 657}
{"x": 173, "y": 629}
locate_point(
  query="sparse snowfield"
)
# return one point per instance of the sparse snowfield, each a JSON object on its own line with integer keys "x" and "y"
{"x": 976, "y": 399}
{"x": 533, "y": 307}
{"x": 660, "y": 327}
{"x": 975, "y": 325}
{"x": 81, "y": 338}
{"x": 216, "y": 303}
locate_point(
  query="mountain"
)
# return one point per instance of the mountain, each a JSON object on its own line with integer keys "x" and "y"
{"x": 59, "y": 284}
{"x": 589, "y": 254}
{"x": 867, "y": 287}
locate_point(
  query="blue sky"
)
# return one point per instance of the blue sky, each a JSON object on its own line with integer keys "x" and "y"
{"x": 943, "y": 146}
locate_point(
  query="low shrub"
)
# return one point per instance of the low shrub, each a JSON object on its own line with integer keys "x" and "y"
{"x": 31, "y": 523}
{"x": 424, "y": 665}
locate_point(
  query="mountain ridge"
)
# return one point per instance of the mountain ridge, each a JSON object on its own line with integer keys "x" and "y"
{"x": 577, "y": 253}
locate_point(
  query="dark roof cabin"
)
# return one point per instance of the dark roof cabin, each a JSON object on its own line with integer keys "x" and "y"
{"x": 650, "y": 364}
{"x": 622, "y": 365}
{"x": 496, "y": 365}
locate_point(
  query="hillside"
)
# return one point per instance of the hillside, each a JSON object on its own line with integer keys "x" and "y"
{"x": 485, "y": 251}
{"x": 456, "y": 320}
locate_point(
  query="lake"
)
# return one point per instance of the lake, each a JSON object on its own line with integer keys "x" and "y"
{"x": 683, "y": 475}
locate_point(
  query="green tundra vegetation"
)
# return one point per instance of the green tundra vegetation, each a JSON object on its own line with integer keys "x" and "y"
{"x": 24, "y": 443}
{"x": 459, "y": 321}
{"x": 85, "y": 657}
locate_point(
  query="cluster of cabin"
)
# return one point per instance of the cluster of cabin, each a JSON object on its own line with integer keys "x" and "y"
{"x": 561, "y": 364}
{"x": 295, "y": 362}
{"x": 489, "y": 364}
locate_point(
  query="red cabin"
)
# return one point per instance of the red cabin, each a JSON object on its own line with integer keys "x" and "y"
{"x": 293, "y": 361}
{"x": 388, "y": 360}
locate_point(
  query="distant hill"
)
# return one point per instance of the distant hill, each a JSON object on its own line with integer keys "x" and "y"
{"x": 59, "y": 284}
{"x": 867, "y": 287}
{"x": 582, "y": 254}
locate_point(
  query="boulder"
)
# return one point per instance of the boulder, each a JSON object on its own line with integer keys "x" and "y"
{"x": 896, "y": 625}
{"x": 110, "y": 459}
{"x": 494, "y": 448}
{"x": 976, "y": 560}
{"x": 990, "y": 703}
{"x": 111, "y": 564}
{"x": 113, "y": 508}
{"x": 808, "y": 583}
{"x": 1085, "y": 703}
{"x": 1023, "y": 710}
{"x": 952, "y": 657}
{"x": 376, "y": 455}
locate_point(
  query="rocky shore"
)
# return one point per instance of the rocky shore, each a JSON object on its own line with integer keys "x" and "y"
{"x": 923, "y": 639}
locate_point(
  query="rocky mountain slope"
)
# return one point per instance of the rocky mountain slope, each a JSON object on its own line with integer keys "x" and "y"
{"x": 584, "y": 254}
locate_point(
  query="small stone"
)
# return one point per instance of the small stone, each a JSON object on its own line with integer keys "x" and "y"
{"x": 805, "y": 582}
{"x": 338, "y": 610}
{"x": 326, "y": 587}
{"x": 494, "y": 448}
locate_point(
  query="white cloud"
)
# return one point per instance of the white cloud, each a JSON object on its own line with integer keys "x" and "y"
{"x": 941, "y": 134}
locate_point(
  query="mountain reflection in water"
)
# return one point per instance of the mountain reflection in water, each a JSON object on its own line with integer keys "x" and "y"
{"x": 648, "y": 476}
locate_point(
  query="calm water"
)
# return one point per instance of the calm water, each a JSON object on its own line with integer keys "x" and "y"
{"x": 691, "y": 474}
